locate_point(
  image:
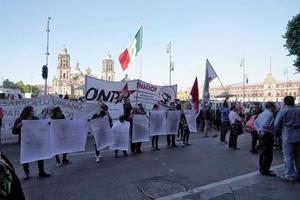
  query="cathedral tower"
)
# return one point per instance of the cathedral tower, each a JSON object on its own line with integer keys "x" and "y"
{"x": 108, "y": 72}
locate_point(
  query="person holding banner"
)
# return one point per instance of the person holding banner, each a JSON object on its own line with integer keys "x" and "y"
{"x": 103, "y": 112}
{"x": 57, "y": 114}
{"x": 185, "y": 129}
{"x": 155, "y": 137}
{"x": 122, "y": 121}
{"x": 127, "y": 109}
{"x": 171, "y": 137}
{"x": 136, "y": 147}
{"x": 28, "y": 114}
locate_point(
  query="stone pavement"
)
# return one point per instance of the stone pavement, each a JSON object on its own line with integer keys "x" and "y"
{"x": 203, "y": 170}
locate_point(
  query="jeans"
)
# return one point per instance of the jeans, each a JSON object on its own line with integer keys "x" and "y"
{"x": 291, "y": 154}
{"x": 224, "y": 128}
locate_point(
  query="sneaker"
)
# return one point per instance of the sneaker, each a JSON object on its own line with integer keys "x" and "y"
{"x": 100, "y": 156}
{"x": 58, "y": 164}
{"x": 66, "y": 161}
{"x": 97, "y": 159}
{"x": 286, "y": 179}
{"x": 26, "y": 177}
{"x": 44, "y": 175}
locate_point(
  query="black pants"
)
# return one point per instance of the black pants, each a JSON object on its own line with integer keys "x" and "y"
{"x": 186, "y": 136}
{"x": 254, "y": 135}
{"x": 155, "y": 142}
{"x": 40, "y": 166}
{"x": 169, "y": 138}
{"x": 233, "y": 138}
{"x": 224, "y": 128}
{"x": 64, "y": 158}
{"x": 136, "y": 147}
{"x": 266, "y": 152}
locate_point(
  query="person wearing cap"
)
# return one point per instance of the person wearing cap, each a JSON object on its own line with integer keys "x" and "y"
{"x": 288, "y": 119}
{"x": 264, "y": 125}
{"x": 57, "y": 114}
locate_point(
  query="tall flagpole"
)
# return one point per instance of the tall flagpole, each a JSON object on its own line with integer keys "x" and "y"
{"x": 142, "y": 34}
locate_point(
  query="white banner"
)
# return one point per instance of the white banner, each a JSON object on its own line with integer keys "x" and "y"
{"x": 113, "y": 94}
{"x": 121, "y": 136}
{"x": 71, "y": 109}
{"x": 35, "y": 140}
{"x": 158, "y": 122}
{"x": 190, "y": 116}
{"x": 140, "y": 128}
{"x": 102, "y": 132}
{"x": 173, "y": 120}
{"x": 79, "y": 131}
{"x": 68, "y": 136}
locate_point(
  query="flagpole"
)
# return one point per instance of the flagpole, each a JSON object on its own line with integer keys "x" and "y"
{"x": 142, "y": 34}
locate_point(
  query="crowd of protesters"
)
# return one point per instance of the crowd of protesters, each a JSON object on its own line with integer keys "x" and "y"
{"x": 269, "y": 124}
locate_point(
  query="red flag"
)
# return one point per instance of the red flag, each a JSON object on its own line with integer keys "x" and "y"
{"x": 195, "y": 95}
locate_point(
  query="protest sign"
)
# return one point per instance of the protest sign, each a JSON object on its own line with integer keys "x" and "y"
{"x": 140, "y": 128}
{"x": 121, "y": 136}
{"x": 158, "y": 122}
{"x": 102, "y": 132}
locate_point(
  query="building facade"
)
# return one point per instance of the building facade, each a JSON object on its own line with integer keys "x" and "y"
{"x": 268, "y": 90}
{"x": 71, "y": 83}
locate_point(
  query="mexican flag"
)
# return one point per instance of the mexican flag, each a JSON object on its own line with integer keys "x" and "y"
{"x": 128, "y": 55}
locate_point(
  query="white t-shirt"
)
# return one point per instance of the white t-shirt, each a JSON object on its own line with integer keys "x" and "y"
{"x": 234, "y": 116}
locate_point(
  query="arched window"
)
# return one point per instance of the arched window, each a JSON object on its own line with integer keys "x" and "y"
{"x": 64, "y": 75}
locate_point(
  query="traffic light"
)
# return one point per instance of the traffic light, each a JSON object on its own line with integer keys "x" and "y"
{"x": 45, "y": 72}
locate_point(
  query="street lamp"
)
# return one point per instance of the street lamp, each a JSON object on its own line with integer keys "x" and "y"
{"x": 45, "y": 67}
{"x": 169, "y": 51}
{"x": 242, "y": 64}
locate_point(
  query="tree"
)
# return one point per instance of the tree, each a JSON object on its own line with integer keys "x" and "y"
{"x": 292, "y": 37}
{"x": 8, "y": 84}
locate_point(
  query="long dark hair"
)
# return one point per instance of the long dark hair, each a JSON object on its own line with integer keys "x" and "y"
{"x": 25, "y": 112}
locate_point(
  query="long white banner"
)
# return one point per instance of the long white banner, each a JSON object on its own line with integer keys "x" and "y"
{"x": 71, "y": 109}
{"x": 113, "y": 94}
{"x": 42, "y": 139}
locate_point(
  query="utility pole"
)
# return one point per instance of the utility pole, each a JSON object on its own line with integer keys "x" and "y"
{"x": 45, "y": 67}
{"x": 171, "y": 64}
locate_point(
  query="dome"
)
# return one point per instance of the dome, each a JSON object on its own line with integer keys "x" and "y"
{"x": 107, "y": 57}
{"x": 63, "y": 51}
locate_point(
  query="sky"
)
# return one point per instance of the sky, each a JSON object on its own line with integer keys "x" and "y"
{"x": 222, "y": 31}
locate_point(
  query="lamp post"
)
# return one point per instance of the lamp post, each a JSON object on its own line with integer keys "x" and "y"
{"x": 45, "y": 67}
{"x": 242, "y": 64}
{"x": 169, "y": 51}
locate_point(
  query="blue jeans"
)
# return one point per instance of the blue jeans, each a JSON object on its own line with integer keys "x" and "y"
{"x": 291, "y": 154}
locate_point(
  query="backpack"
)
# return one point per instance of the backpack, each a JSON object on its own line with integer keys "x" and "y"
{"x": 250, "y": 123}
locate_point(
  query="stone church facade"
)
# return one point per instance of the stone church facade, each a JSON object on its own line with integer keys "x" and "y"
{"x": 71, "y": 83}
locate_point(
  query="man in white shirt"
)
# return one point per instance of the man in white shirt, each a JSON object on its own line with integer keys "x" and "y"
{"x": 235, "y": 120}
{"x": 264, "y": 125}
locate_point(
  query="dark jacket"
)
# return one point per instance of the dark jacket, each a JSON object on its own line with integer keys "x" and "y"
{"x": 8, "y": 175}
{"x": 17, "y": 130}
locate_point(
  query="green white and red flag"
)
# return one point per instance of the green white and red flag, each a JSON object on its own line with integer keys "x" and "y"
{"x": 128, "y": 55}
